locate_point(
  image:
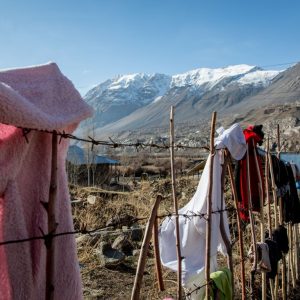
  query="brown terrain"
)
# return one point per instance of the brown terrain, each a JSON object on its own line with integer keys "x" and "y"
{"x": 120, "y": 218}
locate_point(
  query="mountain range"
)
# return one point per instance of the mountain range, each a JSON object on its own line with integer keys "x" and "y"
{"x": 136, "y": 101}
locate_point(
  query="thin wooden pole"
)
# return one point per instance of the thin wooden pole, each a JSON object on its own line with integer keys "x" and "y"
{"x": 284, "y": 287}
{"x": 291, "y": 254}
{"x": 254, "y": 266}
{"x": 135, "y": 295}
{"x": 267, "y": 183}
{"x": 262, "y": 229}
{"x": 179, "y": 258}
{"x": 296, "y": 253}
{"x": 52, "y": 223}
{"x": 158, "y": 267}
{"x": 222, "y": 225}
{"x": 273, "y": 186}
{"x": 267, "y": 172}
{"x": 209, "y": 207}
{"x": 241, "y": 244}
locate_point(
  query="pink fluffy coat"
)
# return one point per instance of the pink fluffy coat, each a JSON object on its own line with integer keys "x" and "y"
{"x": 42, "y": 98}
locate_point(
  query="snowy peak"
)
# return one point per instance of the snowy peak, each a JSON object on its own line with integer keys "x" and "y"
{"x": 242, "y": 74}
{"x": 118, "y": 97}
{"x": 138, "y": 88}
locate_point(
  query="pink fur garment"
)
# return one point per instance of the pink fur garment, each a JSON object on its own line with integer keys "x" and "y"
{"x": 38, "y": 97}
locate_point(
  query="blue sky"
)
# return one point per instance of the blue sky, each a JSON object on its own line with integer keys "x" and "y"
{"x": 93, "y": 40}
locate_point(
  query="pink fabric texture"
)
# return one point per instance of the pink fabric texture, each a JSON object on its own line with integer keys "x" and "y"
{"x": 38, "y": 97}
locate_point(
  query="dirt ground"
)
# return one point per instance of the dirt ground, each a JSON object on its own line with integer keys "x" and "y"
{"x": 117, "y": 282}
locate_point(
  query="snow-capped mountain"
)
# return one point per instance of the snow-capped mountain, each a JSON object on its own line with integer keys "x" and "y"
{"x": 129, "y": 101}
{"x": 118, "y": 97}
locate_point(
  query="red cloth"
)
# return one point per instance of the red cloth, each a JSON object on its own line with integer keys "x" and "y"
{"x": 252, "y": 139}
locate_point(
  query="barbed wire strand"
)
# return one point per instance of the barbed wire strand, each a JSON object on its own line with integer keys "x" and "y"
{"x": 111, "y": 143}
{"x": 83, "y": 231}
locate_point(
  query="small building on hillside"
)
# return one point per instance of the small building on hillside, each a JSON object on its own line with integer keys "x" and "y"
{"x": 86, "y": 168}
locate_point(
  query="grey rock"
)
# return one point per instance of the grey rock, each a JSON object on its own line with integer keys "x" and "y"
{"x": 123, "y": 244}
{"x": 136, "y": 252}
{"x": 109, "y": 257}
{"x": 120, "y": 220}
{"x": 136, "y": 233}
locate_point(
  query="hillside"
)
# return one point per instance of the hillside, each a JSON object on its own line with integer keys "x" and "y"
{"x": 134, "y": 101}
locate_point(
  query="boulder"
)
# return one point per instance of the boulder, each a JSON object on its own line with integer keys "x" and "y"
{"x": 136, "y": 233}
{"x": 110, "y": 257}
{"x": 123, "y": 244}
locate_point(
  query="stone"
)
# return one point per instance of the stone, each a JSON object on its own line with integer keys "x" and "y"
{"x": 120, "y": 220}
{"x": 110, "y": 257}
{"x": 136, "y": 252}
{"x": 91, "y": 199}
{"x": 123, "y": 244}
{"x": 136, "y": 233}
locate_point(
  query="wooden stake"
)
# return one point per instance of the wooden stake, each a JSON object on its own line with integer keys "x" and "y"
{"x": 262, "y": 229}
{"x": 274, "y": 196}
{"x": 273, "y": 186}
{"x": 52, "y": 223}
{"x": 291, "y": 255}
{"x": 144, "y": 250}
{"x": 267, "y": 172}
{"x": 284, "y": 292}
{"x": 222, "y": 225}
{"x": 179, "y": 258}
{"x": 296, "y": 252}
{"x": 267, "y": 183}
{"x": 209, "y": 206}
{"x": 157, "y": 257}
{"x": 254, "y": 266}
{"x": 241, "y": 244}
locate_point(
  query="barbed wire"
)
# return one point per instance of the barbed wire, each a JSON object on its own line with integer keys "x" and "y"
{"x": 48, "y": 237}
{"x": 196, "y": 289}
{"x": 111, "y": 143}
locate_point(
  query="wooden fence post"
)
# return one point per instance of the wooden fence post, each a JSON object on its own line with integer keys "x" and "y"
{"x": 241, "y": 244}
{"x": 209, "y": 207}
{"x": 144, "y": 250}
{"x": 179, "y": 258}
{"x": 158, "y": 267}
{"x": 253, "y": 270}
{"x": 262, "y": 228}
{"x": 284, "y": 283}
{"x": 52, "y": 223}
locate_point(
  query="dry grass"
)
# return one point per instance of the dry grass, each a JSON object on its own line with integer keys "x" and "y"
{"x": 104, "y": 283}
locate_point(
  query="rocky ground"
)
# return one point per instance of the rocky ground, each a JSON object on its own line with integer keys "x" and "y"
{"x": 197, "y": 134}
{"x": 108, "y": 256}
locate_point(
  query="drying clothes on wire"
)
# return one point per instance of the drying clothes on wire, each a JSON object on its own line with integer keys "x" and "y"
{"x": 253, "y": 136}
{"x": 263, "y": 264}
{"x": 193, "y": 230}
{"x": 275, "y": 256}
{"x": 279, "y": 235}
{"x": 222, "y": 285}
{"x": 290, "y": 201}
{"x": 287, "y": 190}
{"x": 42, "y": 98}
{"x": 277, "y": 245}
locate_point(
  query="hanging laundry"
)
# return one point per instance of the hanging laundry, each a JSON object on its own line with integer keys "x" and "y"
{"x": 290, "y": 201}
{"x": 277, "y": 245}
{"x": 274, "y": 255}
{"x": 280, "y": 176}
{"x": 253, "y": 135}
{"x": 279, "y": 235}
{"x": 263, "y": 264}
{"x": 222, "y": 284}
{"x": 193, "y": 230}
{"x": 42, "y": 98}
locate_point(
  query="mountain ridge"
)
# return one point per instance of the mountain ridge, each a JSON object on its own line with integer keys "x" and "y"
{"x": 131, "y": 101}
